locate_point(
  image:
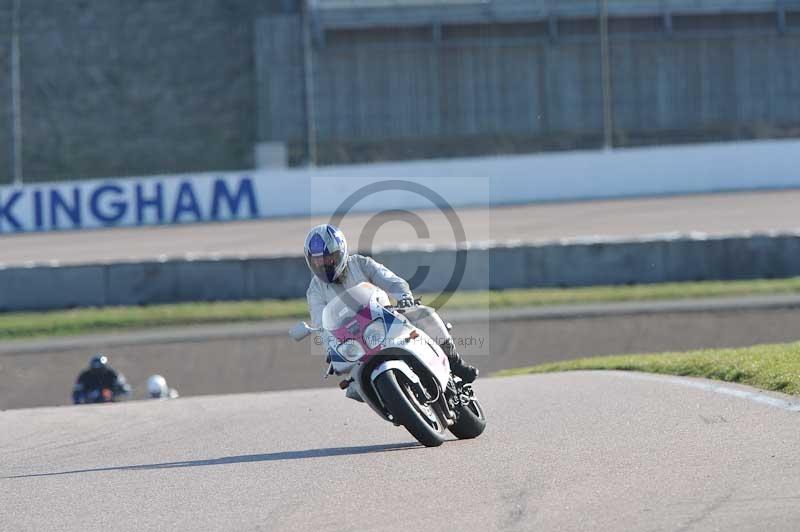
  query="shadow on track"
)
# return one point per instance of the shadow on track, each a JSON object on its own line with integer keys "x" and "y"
{"x": 269, "y": 457}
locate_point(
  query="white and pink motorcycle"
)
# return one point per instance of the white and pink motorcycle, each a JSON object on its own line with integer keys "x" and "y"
{"x": 395, "y": 367}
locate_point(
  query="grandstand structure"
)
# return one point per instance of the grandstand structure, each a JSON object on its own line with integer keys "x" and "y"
{"x": 404, "y": 78}
{"x": 113, "y": 88}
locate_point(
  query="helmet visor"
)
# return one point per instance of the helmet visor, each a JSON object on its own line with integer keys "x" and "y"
{"x": 325, "y": 266}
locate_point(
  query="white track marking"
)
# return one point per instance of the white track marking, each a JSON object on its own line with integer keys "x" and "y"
{"x": 755, "y": 396}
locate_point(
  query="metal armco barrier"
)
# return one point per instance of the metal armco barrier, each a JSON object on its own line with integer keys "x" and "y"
{"x": 558, "y": 264}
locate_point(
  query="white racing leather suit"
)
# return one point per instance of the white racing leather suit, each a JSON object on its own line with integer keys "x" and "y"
{"x": 360, "y": 269}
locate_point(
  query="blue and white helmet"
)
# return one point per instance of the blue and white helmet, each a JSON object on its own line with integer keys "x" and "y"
{"x": 326, "y": 252}
{"x": 98, "y": 361}
{"x": 157, "y": 387}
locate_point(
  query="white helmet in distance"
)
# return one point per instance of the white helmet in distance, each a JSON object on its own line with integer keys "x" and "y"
{"x": 157, "y": 387}
{"x": 326, "y": 252}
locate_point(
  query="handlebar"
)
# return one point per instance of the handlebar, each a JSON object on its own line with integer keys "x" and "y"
{"x": 417, "y": 302}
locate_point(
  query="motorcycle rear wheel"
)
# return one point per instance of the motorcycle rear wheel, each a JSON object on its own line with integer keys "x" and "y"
{"x": 421, "y": 420}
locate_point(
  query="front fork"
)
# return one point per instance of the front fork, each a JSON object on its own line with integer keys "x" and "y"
{"x": 441, "y": 401}
{"x": 448, "y": 403}
{"x": 459, "y": 395}
{"x": 456, "y": 396}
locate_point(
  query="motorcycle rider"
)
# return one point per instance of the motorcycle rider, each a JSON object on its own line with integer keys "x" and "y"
{"x": 335, "y": 269}
{"x": 98, "y": 377}
{"x": 157, "y": 388}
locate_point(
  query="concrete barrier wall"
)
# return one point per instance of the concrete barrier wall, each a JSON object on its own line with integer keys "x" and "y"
{"x": 564, "y": 176}
{"x": 562, "y": 264}
{"x": 43, "y": 374}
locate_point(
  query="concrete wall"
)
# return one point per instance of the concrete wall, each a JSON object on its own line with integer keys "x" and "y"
{"x": 6, "y": 145}
{"x": 560, "y": 176}
{"x": 42, "y": 373}
{"x": 576, "y": 263}
{"x": 400, "y": 83}
{"x": 485, "y": 181}
{"x": 113, "y": 87}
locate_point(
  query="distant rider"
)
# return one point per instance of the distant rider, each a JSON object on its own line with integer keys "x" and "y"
{"x": 157, "y": 388}
{"x": 334, "y": 269}
{"x": 98, "y": 377}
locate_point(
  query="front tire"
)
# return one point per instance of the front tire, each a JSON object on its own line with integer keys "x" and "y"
{"x": 421, "y": 420}
{"x": 471, "y": 421}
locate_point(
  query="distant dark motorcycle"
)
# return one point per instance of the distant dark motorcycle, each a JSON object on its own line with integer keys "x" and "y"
{"x": 100, "y": 384}
{"x": 100, "y": 396}
{"x": 104, "y": 395}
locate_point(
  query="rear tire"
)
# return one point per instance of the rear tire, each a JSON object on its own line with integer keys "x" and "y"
{"x": 422, "y": 421}
{"x": 471, "y": 421}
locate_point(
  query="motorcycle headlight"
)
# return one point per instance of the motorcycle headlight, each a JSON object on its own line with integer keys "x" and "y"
{"x": 374, "y": 334}
{"x": 351, "y": 350}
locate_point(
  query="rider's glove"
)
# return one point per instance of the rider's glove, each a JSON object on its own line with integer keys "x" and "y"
{"x": 406, "y": 302}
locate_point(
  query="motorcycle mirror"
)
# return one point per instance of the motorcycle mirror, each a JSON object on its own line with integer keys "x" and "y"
{"x": 300, "y": 331}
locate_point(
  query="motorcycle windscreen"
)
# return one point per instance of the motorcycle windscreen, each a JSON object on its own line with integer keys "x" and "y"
{"x": 344, "y": 307}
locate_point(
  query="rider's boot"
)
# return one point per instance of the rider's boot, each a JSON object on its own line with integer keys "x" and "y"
{"x": 463, "y": 371}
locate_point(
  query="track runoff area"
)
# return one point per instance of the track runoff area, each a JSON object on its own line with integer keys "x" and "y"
{"x": 713, "y": 214}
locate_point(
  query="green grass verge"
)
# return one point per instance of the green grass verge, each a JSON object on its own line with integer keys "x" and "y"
{"x": 93, "y": 320}
{"x": 773, "y": 367}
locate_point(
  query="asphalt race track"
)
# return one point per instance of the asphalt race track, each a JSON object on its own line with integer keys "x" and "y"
{"x": 580, "y": 451}
{"x": 710, "y": 213}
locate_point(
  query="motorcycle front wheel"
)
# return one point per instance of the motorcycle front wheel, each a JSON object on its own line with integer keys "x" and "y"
{"x": 471, "y": 421}
{"x": 419, "y": 418}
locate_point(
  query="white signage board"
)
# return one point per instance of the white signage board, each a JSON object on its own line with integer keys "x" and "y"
{"x": 480, "y": 181}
